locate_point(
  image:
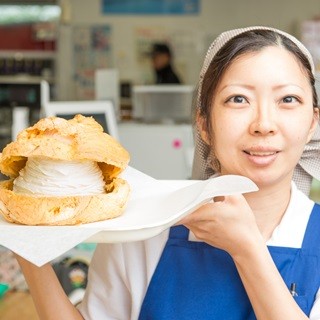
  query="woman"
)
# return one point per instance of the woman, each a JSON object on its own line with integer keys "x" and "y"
{"x": 256, "y": 111}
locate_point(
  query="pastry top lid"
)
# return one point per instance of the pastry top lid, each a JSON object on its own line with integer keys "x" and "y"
{"x": 80, "y": 138}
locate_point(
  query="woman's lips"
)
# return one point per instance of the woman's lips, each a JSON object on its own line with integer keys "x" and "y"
{"x": 261, "y": 157}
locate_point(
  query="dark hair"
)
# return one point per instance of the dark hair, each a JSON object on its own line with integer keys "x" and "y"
{"x": 250, "y": 41}
{"x": 161, "y": 48}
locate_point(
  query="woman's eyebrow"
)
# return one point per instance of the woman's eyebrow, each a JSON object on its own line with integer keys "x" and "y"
{"x": 281, "y": 86}
{"x": 246, "y": 86}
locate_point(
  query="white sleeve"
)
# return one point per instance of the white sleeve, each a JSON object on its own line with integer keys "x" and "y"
{"x": 119, "y": 275}
{"x": 315, "y": 311}
{"x": 107, "y": 296}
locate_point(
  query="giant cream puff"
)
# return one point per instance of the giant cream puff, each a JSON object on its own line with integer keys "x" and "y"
{"x": 63, "y": 172}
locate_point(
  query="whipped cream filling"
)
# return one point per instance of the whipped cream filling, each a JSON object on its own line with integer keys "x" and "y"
{"x": 51, "y": 177}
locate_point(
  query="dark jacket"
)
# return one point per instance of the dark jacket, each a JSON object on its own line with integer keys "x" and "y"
{"x": 167, "y": 75}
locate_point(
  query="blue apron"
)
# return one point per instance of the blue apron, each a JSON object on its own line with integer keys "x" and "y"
{"x": 195, "y": 281}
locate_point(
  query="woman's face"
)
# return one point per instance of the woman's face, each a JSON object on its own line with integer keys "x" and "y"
{"x": 262, "y": 116}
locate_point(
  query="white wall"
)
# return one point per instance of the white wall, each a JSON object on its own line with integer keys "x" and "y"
{"x": 198, "y": 31}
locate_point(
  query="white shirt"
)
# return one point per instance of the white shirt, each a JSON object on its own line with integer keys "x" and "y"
{"x": 119, "y": 274}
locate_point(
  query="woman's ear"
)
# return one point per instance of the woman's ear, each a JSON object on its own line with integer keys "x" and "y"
{"x": 202, "y": 128}
{"x": 314, "y": 124}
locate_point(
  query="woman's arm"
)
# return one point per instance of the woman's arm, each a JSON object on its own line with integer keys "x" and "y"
{"x": 230, "y": 225}
{"x": 49, "y": 297}
{"x": 268, "y": 294}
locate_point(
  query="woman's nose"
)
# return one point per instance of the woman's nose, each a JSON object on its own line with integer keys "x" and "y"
{"x": 264, "y": 121}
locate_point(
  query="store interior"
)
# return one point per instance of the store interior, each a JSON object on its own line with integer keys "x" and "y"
{"x": 63, "y": 57}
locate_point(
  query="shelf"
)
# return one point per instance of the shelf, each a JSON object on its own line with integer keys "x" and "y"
{"x": 25, "y": 79}
{"x": 5, "y": 132}
{"x": 28, "y": 54}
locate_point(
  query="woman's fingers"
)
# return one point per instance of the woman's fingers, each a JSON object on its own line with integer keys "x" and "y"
{"x": 224, "y": 205}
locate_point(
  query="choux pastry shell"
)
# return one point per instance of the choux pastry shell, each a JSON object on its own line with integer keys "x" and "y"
{"x": 78, "y": 139}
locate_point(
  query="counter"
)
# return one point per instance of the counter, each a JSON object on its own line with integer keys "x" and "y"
{"x": 163, "y": 151}
{"x": 17, "y": 305}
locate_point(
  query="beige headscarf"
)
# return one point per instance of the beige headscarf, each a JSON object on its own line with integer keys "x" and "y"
{"x": 309, "y": 163}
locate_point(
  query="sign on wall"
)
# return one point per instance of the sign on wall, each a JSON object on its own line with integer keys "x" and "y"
{"x": 177, "y": 7}
{"x": 92, "y": 50}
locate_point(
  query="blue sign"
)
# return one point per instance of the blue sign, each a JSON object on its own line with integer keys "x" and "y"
{"x": 154, "y": 7}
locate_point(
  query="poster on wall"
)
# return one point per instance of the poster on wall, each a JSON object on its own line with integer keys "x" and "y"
{"x": 310, "y": 38}
{"x": 91, "y": 51}
{"x": 176, "y": 7}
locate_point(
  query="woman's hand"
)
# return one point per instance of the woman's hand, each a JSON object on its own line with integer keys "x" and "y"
{"x": 228, "y": 224}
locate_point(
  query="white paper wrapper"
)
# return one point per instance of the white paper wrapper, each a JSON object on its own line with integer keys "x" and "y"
{"x": 154, "y": 206}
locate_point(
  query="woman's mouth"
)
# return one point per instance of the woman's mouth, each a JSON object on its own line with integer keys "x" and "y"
{"x": 261, "y": 158}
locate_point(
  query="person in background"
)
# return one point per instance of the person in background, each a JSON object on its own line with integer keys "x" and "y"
{"x": 161, "y": 56}
{"x": 239, "y": 257}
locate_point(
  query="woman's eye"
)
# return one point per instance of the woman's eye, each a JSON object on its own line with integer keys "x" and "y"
{"x": 290, "y": 99}
{"x": 238, "y": 99}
